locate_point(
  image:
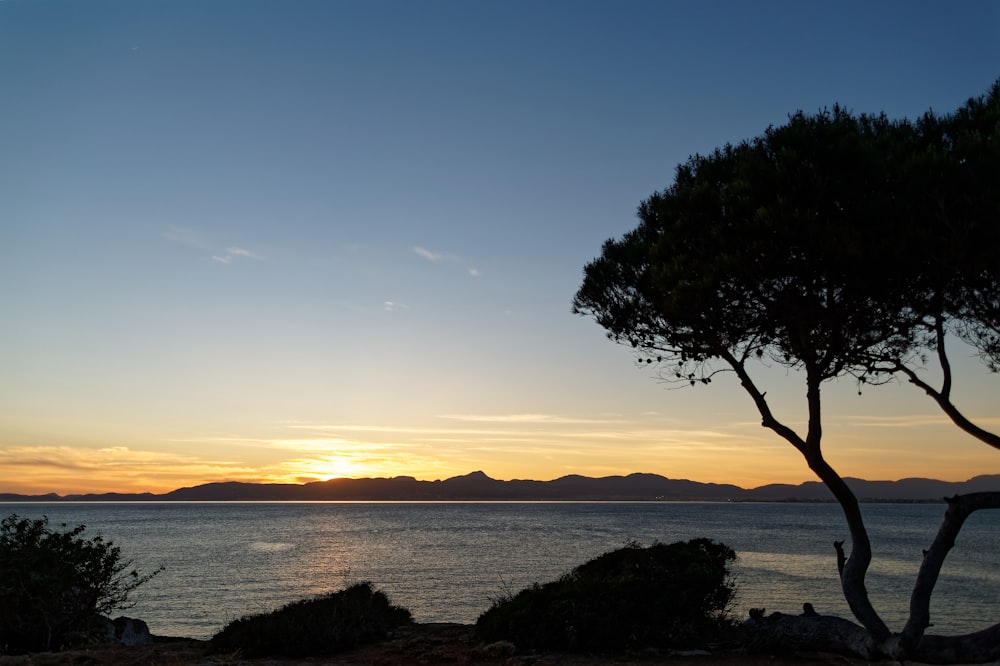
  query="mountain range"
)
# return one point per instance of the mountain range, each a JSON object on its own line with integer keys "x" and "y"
{"x": 477, "y": 486}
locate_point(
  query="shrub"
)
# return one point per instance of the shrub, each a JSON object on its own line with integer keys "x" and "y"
{"x": 315, "y": 627}
{"x": 55, "y": 585}
{"x": 662, "y": 596}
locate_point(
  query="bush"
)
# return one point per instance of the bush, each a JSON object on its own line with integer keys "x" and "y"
{"x": 663, "y": 596}
{"x": 315, "y": 627}
{"x": 55, "y": 585}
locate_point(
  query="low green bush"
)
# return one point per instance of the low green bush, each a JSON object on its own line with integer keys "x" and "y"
{"x": 55, "y": 585}
{"x": 314, "y": 627}
{"x": 661, "y": 596}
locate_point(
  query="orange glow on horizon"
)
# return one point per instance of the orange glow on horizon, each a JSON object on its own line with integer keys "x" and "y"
{"x": 521, "y": 446}
{"x": 44, "y": 480}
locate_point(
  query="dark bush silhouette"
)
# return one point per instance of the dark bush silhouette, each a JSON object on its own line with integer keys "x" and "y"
{"x": 55, "y": 585}
{"x": 315, "y": 627}
{"x": 660, "y": 596}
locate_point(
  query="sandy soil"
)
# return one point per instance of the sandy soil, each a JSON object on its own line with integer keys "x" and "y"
{"x": 419, "y": 644}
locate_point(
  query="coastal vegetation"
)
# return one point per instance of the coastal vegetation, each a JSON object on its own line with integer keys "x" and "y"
{"x": 630, "y": 599}
{"x": 322, "y": 626}
{"x": 836, "y": 246}
{"x": 56, "y": 586}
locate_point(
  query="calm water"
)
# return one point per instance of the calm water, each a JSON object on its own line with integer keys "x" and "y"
{"x": 445, "y": 561}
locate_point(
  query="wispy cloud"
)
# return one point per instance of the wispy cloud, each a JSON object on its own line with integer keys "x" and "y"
{"x": 393, "y": 306}
{"x": 443, "y": 257}
{"x": 433, "y": 257}
{"x": 899, "y": 421}
{"x": 199, "y": 240}
{"x": 186, "y": 236}
{"x": 524, "y": 418}
{"x": 233, "y": 253}
{"x": 380, "y": 429}
{"x": 903, "y": 421}
{"x": 71, "y": 470}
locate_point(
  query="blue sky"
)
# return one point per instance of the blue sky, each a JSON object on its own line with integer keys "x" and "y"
{"x": 294, "y": 240}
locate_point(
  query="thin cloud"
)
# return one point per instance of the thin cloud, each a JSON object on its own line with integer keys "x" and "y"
{"x": 186, "y": 236}
{"x": 232, "y": 253}
{"x": 197, "y": 239}
{"x": 433, "y": 257}
{"x": 69, "y": 470}
{"x": 523, "y": 418}
{"x": 377, "y": 429}
{"x": 393, "y": 306}
{"x": 900, "y": 421}
{"x": 439, "y": 257}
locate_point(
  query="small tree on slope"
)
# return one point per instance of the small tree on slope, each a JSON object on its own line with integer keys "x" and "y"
{"x": 54, "y": 585}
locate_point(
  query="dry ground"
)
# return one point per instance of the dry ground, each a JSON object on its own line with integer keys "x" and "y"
{"x": 418, "y": 644}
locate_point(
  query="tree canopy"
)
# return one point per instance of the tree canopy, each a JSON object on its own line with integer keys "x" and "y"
{"x": 836, "y": 244}
{"x": 55, "y": 584}
{"x": 829, "y": 243}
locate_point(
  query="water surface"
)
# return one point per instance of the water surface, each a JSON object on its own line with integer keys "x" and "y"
{"x": 446, "y": 561}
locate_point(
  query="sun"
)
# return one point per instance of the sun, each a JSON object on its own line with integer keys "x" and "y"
{"x": 325, "y": 467}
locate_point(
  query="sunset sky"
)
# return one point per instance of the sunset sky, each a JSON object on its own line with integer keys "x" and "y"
{"x": 295, "y": 240}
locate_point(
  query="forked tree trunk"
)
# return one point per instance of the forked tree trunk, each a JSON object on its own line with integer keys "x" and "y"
{"x": 783, "y": 632}
{"x": 979, "y": 647}
{"x": 853, "y": 569}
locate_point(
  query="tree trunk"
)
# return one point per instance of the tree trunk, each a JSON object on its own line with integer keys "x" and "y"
{"x": 779, "y": 633}
{"x": 879, "y": 642}
{"x": 960, "y": 507}
{"x": 853, "y": 569}
{"x": 978, "y": 648}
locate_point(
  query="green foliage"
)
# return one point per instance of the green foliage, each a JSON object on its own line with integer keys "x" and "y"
{"x": 315, "y": 627}
{"x": 661, "y": 596}
{"x": 54, "y": 584}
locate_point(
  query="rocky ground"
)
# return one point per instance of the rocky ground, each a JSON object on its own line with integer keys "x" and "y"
{"x": 417, "y": 644}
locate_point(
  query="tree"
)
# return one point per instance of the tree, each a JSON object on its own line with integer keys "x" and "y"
{"x": 815, "y": 246}
{"x": 54, "y": 584}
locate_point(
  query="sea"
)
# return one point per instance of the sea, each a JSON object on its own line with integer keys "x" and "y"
{"x": 448, "y": 561}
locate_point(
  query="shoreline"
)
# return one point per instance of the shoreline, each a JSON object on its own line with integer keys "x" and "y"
{"x": 429, "y": 644}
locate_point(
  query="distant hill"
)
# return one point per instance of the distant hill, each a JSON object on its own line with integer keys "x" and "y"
{"x": 477, "y": 486}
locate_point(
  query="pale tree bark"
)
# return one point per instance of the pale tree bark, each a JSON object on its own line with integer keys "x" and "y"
{"x": 881, "y": 642}
{"x": 978, "y": 647}
{"x": 785, "y": 632}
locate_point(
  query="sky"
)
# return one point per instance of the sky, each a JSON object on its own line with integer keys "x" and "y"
{"x": 283, "y": 241}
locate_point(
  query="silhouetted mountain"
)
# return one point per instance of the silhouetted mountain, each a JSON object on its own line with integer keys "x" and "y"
{"x": 479, "y": 486}
{"x": 902, "y": 490}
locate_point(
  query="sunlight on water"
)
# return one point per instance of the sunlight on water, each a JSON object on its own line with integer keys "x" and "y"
{"x": 270, "y": 546}
{"x": 803, "y": 566}
{"x": 445, "y": 562}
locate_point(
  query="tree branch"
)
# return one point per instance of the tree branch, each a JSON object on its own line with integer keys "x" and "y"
{"x": 959, "y": 419}
{"x": 943, "y": 359}
{"x": 978, "y": 648}
{"x": 960, "y": 507}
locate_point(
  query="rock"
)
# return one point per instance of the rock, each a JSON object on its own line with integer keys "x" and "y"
{"x": 104, "y": 629}
{"x": 131, "y": 631}
{"x": 496, "y": 650}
